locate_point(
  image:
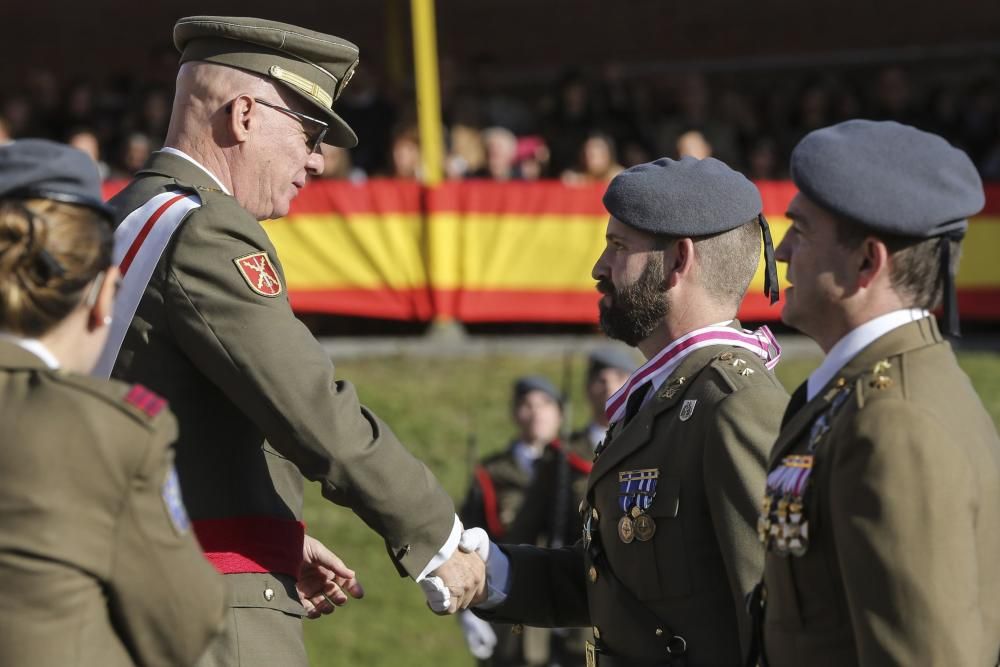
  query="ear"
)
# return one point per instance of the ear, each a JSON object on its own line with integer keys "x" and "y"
{"x": 242, "y": 113}
{"x": 104, "y": 302}
{"x": 873, "y": 261}
{"x": 678, "y": 261}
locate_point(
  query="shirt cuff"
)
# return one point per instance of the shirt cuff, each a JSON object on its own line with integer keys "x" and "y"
{"x": 497, "y": 578}
{"x": 445, "y": 552}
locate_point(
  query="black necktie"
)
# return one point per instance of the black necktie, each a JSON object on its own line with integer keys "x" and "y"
{"x": 795, "y": 404}
{"x": 635, "y": 400}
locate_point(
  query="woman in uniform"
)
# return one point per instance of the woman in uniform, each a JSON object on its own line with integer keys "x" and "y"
{"x": 98, "y": 565}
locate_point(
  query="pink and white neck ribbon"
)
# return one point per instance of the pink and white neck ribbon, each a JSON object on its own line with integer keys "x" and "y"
{"x": 761, "y": 342}
{"x": 140, "y": 240}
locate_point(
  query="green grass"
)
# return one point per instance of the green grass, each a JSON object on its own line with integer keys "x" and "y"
{"x": 436, "y": 406}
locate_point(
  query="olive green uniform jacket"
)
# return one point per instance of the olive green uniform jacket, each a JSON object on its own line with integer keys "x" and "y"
{"x": 259, "y": 408}
{"x": 903, "y": 509}
{"x": 691, "y": 578}
{"x": 98, "y": 568}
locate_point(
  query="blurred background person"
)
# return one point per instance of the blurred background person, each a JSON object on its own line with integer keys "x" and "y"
{"x": 598, "y": 161}
{"x": 501, "y": 155}
{"x": 404, "y": 155}
{"x": 84, "y": 139}
{"x": 92, "y": 527}
{"x": 693, "y": 144}
{"x": 493, "y": 502}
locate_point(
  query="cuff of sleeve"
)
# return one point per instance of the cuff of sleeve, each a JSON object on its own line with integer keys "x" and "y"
{"x": 497, "y": 578}
{"x": 445, "y": 552}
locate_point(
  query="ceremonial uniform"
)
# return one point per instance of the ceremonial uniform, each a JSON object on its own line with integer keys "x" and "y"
{"x": 698, "y": 447}
{"x": 881, "y": 515}
{"x": 98, "y": 563}
{"x": 882, "y": 504}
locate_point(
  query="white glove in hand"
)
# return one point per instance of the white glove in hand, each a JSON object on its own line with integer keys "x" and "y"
{"x": 475, "y": 540}
{"x": 479, "y": 634}
{"x": 437, "y": 594}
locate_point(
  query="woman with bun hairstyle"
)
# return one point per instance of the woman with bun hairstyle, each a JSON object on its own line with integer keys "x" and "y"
{"x": 98, "y": 564}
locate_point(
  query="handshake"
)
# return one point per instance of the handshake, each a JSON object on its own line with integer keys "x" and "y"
{"x": 461, "y": 581}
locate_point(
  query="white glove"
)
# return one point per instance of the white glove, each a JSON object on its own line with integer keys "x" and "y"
{"x": 479, "y": 634}
{"x": 475, "y": 540}
{"x": 437, "y": 594}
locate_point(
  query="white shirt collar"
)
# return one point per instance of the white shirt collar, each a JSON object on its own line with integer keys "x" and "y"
{"x": 596, "y": 433}
{"x": 525, "y": 456}
{"x": 850, "y": 345}
{"x": 35, "y": 347}
{"x": 181, "y": 154}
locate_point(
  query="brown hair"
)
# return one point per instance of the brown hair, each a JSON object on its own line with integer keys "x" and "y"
{"x": 914, "y": 264}
{"x": 728, "y": 260}
{"x": 49, "y": 253}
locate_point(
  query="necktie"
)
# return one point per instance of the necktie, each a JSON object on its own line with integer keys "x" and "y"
{"x": 635, "y": 401}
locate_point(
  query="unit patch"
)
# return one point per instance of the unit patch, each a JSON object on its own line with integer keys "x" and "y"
{"x": 259, "y": 273}
{"x": 174, "y": 504}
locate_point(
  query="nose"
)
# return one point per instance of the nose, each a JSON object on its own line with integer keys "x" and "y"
{"x": 315, "y": 164}
{"x": 783, "y": 252}
{"x": 600, "y": 268}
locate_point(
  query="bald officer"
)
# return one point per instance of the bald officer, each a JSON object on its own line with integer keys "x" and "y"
{"x": 883, "y": 499}
{"x": 207, "y": 324}
{"x": 668, "y": 547}
{"x": 98, "y": 564}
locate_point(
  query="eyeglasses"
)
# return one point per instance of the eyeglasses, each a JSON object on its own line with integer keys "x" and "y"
{"x": 315, "y": 138}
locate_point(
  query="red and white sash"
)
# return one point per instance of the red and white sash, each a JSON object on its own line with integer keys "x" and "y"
{"x": 761, "y": 342}
{"x": 139, "y": 242}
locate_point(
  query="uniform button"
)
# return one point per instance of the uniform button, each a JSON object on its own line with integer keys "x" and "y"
{"x": 659, "y": 632}
{"x": 516, "y": 629}
{"x": 597, "y": 632}
{"x": 268, "y": 594}
{"x": 593, "y": 513}
{"x": 592, "y": 573}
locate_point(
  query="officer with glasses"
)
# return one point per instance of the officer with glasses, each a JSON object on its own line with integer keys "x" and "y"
{"x": 204, "y": 320}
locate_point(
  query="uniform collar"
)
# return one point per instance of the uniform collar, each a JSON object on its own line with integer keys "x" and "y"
{"x": 180, "y": 166}
{"x": 181, "y": 154}
{"x": 18, "y": 352}
{"x": 858, "y": 339}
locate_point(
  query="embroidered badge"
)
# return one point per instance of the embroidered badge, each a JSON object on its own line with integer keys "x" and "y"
{"x": 687, "y": 409}
{"x": 145, "y": 400}
{"x": 259, "y": 273}
{"x": 172, "y": 500}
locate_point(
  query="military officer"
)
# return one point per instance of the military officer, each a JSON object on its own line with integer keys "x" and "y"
{"x": 883, "y": 498}
{"x": 668, "y": 553}
{"x": 98, "y": 564}
{"x": 207, "y": 323}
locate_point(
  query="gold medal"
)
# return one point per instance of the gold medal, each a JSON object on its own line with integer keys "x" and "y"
{"x": 635, "y": 511}
{"x": 626, "y": 530}
{"x": 645, "y": 527}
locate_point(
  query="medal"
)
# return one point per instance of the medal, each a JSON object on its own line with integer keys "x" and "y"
{"x": 626, "y": 529}
{"x": 645, "y": 527}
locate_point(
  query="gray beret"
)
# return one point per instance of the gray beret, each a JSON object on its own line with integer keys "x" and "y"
{"x": 531, "y": 383}
{"x": 43, "y": 169}
{"x": 889, "y": 177}
{"x": 687, "y": 197}
{"x": 610, "y": 357}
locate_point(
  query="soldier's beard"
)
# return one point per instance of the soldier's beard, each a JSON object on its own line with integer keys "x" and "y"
{"x": 634, "y": 311}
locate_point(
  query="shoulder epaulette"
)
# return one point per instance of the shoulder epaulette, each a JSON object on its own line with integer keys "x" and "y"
{"x": 145, "y": 400}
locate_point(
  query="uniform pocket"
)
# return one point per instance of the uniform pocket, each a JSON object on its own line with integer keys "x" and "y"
{"x": 671, "y": 552}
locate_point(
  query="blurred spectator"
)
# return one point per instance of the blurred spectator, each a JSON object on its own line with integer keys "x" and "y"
{"x": 84, "y": 139}
{"x": 134, "y": 153}
{"x": 501, "y": 155}
{"x": 533, "y": 157}
{"x": 693, "y": 144}
{"x": 764, "y": 162}
{"x": 372, "y": 116}
{"x": 598, "y": 162}
{"x": 405, "y": 154}
{"x": 4, "y": 131}
{"x": 569, "y": 118}
{"x": 467, "y": 155}
{"x": 337, "y": 165}
{"x": 17, "y": 113}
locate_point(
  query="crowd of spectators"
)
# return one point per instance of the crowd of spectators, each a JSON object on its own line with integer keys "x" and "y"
{"x": 579, "y": 128}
